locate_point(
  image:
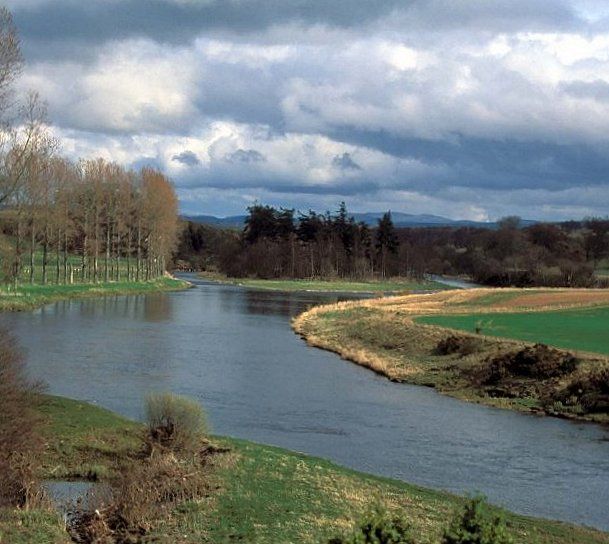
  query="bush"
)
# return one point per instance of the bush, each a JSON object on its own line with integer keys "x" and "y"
{"x": 175, "y": 422}
{"x": 539, "y": 362}
{"x": 377, "y": 527}
{"x": 455, "y": 344}
{"x": 475, "y": 526}
{"x": 151, "y": 487}
{"x": 20, "y": 441}
{"x": 589, "y": 391}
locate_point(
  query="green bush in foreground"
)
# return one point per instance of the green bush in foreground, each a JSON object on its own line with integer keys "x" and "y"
{"x": 475, "y": 526}
{"x": 472, "y": 526}
{"x": 175, "y": 422}
{"x": 377, "y": 527}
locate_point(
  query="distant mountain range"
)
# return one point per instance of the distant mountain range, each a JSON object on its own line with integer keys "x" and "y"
{"x": 370, "y": 218}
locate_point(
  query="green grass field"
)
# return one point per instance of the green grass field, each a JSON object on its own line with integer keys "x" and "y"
{"x": 579, "y": 329}
{"x": 259, "y": 494}
{"x": 335, "y": 286}
{"x": 27, "y": 297}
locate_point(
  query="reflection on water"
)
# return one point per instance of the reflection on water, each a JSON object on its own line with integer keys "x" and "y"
{"x": 233, "y": 349}
{"x": 154, "y": 308}
{"x": 277, "y": 303}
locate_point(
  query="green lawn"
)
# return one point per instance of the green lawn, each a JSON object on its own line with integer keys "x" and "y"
{"x": 85, "y": 441}
{"x": 271, "y": 496}
{"x": 579, "y": 329}
{"x": 258, "y": 494}
{"x": 32, "y": 527}
{"x": 387, "y": 286}
{"x": 26, "y": 297}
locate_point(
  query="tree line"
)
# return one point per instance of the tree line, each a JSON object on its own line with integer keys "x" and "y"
{"x": 568, "y": 254}
{"x": 121, "y": 224}
{"x": 279, "y": 243}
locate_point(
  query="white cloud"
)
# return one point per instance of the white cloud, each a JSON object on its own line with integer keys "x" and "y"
{"x": 133, "y": 86}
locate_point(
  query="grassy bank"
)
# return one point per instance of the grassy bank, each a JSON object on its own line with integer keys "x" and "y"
{"x": 332, "y": 286}
{"x": 27, "y": 297}
{"x": 386, "y": 335}
{"x": 260, "y": 493}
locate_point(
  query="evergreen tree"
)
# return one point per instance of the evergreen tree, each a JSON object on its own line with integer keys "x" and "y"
{"x": 386, "y": 241}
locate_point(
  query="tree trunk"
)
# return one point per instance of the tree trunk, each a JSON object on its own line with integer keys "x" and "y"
{"x": 107, "y": 256}
{"x": 58, "y": 258}
{"x": 129, "y": 255}
{"x": 139, "y": 252}
{"x": 32, "y": 251}
{"x": 45, "y": 255}
{"x": 65, "y": 257}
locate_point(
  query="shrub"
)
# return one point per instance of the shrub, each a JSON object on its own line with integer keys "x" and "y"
{"x": 455, "y": 344}
{"x": 378, "y": 527}
{"x": 175, "y": 422}
{"x": 589, "y": 390}
{"x": 475, "y": 526}
{"x": 150, "y": 487}
{"x": 20, "y": 441}
{"x": 538, "y": 362}
{"x": 146, "y": 492}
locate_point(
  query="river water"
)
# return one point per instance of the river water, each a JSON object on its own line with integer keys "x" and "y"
{"x": 233, "y": 349}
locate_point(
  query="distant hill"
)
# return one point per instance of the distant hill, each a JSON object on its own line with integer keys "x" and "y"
{"x": 370, "y": 218}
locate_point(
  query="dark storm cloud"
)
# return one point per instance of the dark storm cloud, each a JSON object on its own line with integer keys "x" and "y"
{"x": 179, "y": 22}
{"x": 245, "y": 156}
{"x": 430, "y": 96}
{"x": 223, "y": 95}
{"x": 345, "y": 162}
{"x": 217, "y": 178}
{"x": 188, "y": 158}
{"x": 73, "y": 23}
{"x": 500, "y": 164}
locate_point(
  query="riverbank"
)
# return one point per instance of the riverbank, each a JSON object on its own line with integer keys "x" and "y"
{"x": 258, "y": 493}
{"x": 388, "y": 336}
{"x": 331, "y": 286}
{"x": 28, "y": 297}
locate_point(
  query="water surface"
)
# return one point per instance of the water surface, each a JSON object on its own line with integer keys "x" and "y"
{"x": 233, "y": 349}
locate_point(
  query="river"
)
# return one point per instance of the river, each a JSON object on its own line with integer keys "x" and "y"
{"x": 233, "y": 349}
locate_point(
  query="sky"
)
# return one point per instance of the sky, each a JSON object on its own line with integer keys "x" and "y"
{"x": 469, "y": 109}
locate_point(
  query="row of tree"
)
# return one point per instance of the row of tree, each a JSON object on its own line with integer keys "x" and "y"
{"x": 121, "y": 224}
{"x": 275, "y": 243}
{"x": 313, "y": 245}
{"x": 570, "y": 254}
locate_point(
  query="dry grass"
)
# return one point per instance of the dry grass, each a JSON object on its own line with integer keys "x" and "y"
{"x": 381, "y": 334}
{"x": 559, "y": 299}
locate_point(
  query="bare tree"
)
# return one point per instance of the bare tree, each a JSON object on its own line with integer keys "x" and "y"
{"x": 10, "y": 67}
